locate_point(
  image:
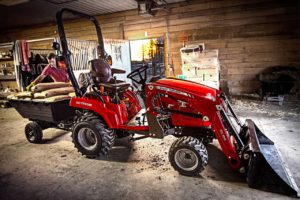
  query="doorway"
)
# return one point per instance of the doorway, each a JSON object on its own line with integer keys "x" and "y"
{"x": 148, "y": 52}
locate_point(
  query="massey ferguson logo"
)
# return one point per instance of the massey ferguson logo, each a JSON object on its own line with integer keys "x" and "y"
{"x": 83, "y": 103}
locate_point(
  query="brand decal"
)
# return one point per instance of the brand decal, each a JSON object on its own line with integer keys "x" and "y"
{"x": 173, "y": 91}
{"x": 210, "y": 97}
{"x": 223, "y": 136}
{"x": 83, "y": 103}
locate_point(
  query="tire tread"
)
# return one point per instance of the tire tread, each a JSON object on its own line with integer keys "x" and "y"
{"x": 192, "y": 144}
{"x": 107, "y": 135}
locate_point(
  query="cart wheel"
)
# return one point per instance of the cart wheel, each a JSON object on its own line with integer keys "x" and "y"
{"x": 188, "y": 156}
{"x": 33, "y": 132}
{"x": 92, "y": 137}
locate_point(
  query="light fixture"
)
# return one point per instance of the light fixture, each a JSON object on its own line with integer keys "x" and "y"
{"x": 148, "y": 8}
{"x": 145, "y": 7}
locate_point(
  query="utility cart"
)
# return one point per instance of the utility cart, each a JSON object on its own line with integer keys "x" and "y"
{"x": 43, "y": 115}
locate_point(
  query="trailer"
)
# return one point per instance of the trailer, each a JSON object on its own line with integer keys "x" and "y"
{"x": 43, "y": 115}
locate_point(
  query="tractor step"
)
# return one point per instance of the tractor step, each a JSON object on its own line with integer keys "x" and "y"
{"x": 139, "y": 119}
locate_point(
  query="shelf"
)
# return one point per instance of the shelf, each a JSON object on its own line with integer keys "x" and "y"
{"x": 6, "y": 59}
{"x": 7, "y": 77}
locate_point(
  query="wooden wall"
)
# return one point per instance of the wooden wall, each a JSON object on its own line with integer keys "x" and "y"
{"x": 251, "y": 35}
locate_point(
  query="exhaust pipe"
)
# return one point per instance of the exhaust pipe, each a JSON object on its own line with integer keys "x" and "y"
{"x": 266, "y": 170}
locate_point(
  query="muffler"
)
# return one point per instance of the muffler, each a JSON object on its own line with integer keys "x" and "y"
{"x": 266, "y": 170}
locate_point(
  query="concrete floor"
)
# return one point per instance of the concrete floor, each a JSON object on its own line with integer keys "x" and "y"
{"x": 140, "y": 170}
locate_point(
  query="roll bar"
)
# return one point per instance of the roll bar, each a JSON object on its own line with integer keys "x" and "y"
{"x": 64, "y": 43}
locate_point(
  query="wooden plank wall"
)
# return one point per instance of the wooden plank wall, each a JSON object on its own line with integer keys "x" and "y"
{"x": 250, "y": 35}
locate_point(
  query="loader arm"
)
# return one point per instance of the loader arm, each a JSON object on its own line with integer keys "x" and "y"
{"x": 226, "y": 142}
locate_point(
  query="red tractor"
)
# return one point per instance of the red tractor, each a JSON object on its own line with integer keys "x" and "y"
{"x": 194, "y": 113}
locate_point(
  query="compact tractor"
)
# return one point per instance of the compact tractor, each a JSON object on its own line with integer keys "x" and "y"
{"x": 194, "y": 113}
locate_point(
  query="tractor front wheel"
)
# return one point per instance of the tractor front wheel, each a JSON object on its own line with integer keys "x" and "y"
{"x": 92, "y": 137}
{"x": 188, "y": 156}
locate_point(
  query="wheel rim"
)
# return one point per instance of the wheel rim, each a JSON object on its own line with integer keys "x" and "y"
{"x": 87, "y": 138}
{"x": 30, "y": 135}
{"x": 186, "y": 159}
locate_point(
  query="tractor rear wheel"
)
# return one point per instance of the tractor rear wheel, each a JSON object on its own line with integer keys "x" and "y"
{"x": 188, "y": 156}
{"x": 92, "y": 137}
{"x": 34, "y": 132}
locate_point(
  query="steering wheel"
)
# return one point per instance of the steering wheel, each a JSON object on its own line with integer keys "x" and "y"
{"x": 139, "y": 72}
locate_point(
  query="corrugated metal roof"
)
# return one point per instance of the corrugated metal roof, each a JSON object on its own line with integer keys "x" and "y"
{"x": 41, "y": 11}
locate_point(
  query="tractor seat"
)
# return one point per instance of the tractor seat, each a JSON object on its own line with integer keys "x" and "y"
{"x": 115, "y": 87}
{"x": 102, "y": 75}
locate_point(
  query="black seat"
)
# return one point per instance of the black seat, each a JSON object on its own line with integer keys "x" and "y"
{"x": 102, "y": 75}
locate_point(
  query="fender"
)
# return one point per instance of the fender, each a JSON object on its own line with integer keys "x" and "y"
{"x": 135, "y": 106}
{"x": 106, "y": 110}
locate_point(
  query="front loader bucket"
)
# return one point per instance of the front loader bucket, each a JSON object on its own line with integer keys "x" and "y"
{"x": 266, "y": 170}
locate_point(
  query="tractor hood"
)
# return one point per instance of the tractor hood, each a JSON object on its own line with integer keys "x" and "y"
{"x": 189, "y": 87}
